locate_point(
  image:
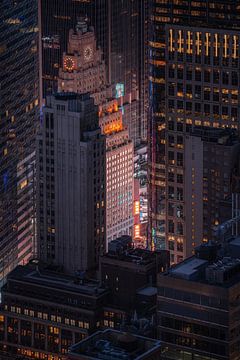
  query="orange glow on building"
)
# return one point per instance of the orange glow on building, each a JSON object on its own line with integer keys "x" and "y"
{"x": 113, "y": 127}
{"x": 136, "y": 231}
{"x": 136, "y": 208}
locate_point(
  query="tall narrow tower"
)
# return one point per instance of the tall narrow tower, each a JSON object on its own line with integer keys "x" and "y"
{"x": 71, "y": 192}
{"x": 18, "y": 114}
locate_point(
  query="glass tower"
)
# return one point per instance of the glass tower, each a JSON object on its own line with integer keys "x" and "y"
{"x": 193, "y": 61}
{"x": 18, "y": 112}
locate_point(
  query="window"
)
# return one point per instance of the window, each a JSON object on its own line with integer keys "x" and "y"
{"x": 171, "y": 226}
{"x": 171, "y": 176}
{"x": 225, "y": 77}
{"x": 179, "y": 159}
{"x": 180, "y": 104}
{"x": 234, "y": 78}
{"x": 170, "y": 209}
{"x": 207, "y": 94}
{"x": 171, "y": 192}
{"x": 180, "y": 74}
{"x": 180, "y": 194}
{"x": 207, "y": 76}
{"x": 197, "y": 107}
{"x": 179, "y": 211}
{"x": 171, "y": 140}
{"x": 179, "y": 126}
{"x": 215, "y": 94}
{"x": 206, "y": 109}
{"x": 171, "y": 125}
{"x": 225, "y": 110}
{"x": 216, "y": 76}
{"x": 179, "y": 229}
{"x": 188, "y": 106}
{"x": 198, "y": 75}
{"x": 179, "y": 178}
{"x": 171, "y": 89}
{"x": 189, "y": 73}
{"x": 171, "y": 72}
{"x": 198, "y": 90}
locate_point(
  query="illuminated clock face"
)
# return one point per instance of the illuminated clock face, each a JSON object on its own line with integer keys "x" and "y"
{"x": 69, "y": 63}
{"x": 88, "y": 53}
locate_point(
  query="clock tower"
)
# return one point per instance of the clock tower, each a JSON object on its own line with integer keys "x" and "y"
{"x": 83, "y": 69}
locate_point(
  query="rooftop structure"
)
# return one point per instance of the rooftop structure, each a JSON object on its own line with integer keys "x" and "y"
{"x": 121, "y": 249}
{"x": 37, "y": 276}
{"x": 126, "y": 270}
{"x": 115, "y": 345}
{"x": 198, "y": 300}
{"x": 212, "y": 264}
{"x": 43, "y": 312}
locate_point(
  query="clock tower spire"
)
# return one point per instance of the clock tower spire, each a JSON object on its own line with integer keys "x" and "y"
{"x": 83, "y": 69}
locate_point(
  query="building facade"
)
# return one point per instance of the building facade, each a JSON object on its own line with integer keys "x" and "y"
{"x": 85, "y": 71}
{"x": 18, "y": 112}
{"x": 83, "y": 68}
{"x": 71, "y": 192}
{"x": 138, "y": 266}
{"x": 48, "y": 312}
{"x": 198, "y": 303}
{"x": 211, "y": 159}
{"x": 119, "y": 171}
{"x": 193, "y": 82}
{"x": 120, "y": 32}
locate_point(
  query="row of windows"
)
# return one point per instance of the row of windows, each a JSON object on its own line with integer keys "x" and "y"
{"x": 215, "y": 76}
{"x": 45, "y": 316}
{"x": 204, "y": 109}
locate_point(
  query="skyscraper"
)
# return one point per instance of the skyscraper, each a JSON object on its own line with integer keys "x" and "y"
{"x": 120, "y": 32}
{"x": 18, "y": 113}
{"x": 85, "y": 71}
{"x": 119, "y": 171}
{"x": 194, "y": 57}
{"x": 71, "y": 192}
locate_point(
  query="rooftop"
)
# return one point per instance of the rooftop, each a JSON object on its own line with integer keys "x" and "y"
{"x": 36, "y": 274}
{"x": 115, "y": 345}
{"x": 122, "y": 249}
{"x": 213, "y": 264}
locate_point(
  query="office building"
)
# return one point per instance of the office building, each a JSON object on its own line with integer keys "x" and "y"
{"x": 125, "y": 270}
{"x": 115, "y": 345}
{"x": 198, "y": 300}
{"x": 211, "y": 159}
{"x": 71, "y": 191}
{"x": 119, "y": 171}
{"x": 194, "y": 55}
{"x": 19, "y": 116}
{"x": 120, "y": 29}
{"x": 44, "y": 312}
{"x": 84, "y": 71}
